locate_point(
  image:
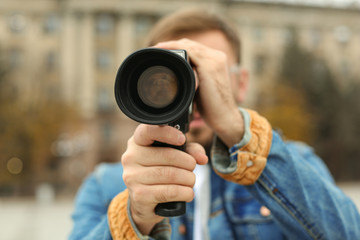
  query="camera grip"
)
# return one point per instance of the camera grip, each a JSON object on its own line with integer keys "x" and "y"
{"x": 170, "y": 209}
{"x": 160, "y": 144}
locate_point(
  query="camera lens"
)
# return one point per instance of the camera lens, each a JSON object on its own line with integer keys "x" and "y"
{"x": 157, "y": 86}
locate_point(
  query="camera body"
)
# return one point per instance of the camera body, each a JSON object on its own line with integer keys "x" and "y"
{"x": 157, "y": 86}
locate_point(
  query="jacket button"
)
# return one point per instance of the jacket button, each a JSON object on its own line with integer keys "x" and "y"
{"x": 182, "y": 229}
{"x": 264, "y": 211}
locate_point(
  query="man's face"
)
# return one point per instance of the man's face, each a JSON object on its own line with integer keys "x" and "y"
{"x": 199, "y": 131}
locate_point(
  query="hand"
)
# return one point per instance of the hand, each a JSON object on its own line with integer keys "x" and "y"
{"x": 158, "y": 174}
{"x": 216, "y": 101}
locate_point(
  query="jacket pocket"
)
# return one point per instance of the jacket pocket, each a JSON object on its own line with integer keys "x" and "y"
{"x": 249, "y": 219}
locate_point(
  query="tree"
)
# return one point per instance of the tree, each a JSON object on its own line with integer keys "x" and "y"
{"x": 27, "y": 131}
{"x": 287, "y": 112}
{"x": 307, "y": 89}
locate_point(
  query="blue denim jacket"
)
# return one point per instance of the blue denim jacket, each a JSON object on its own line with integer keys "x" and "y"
{"x": 295, "y": 185}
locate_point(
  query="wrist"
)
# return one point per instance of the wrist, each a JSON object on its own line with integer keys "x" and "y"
{"x": 119, "y": 221}
{"x": 244, "y": 162}
{"x": 144, "y": 226}
{"x": 231, "y": 130}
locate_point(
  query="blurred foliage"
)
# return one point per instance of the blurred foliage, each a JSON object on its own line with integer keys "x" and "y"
{"x": 287, "y": 111}
{"x": 28, "y": 128}
{"x": 308, "y": 104}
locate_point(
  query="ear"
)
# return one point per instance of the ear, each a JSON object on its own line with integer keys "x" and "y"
{"x": 242, "y": 85}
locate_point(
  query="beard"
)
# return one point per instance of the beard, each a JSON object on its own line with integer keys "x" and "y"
{"x": 202, "y": 135}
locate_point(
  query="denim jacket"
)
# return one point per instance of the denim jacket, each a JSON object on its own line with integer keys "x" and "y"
{"x": 295, "y": 186}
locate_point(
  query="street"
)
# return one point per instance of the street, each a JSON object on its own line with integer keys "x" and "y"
{"x": 27, "y": 219}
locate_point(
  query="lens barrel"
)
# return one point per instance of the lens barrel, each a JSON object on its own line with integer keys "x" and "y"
{"x": 154, "y": 86}
{"x": 157, "y": 86}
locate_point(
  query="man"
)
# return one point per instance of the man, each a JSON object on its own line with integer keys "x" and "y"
{"x": 254, "y": 185}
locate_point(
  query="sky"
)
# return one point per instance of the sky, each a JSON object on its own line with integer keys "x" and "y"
{"x": 333, "y": 3}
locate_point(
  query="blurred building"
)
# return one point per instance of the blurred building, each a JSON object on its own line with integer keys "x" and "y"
{"x": 73, "y": 48}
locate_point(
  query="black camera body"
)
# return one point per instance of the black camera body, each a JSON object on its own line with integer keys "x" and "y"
{"x": 157, "y": 86}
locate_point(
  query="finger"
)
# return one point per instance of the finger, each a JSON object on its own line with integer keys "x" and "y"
{"x": 197, "y": 152}
{"x": 200, "y": 55}
{"x": 145, "y": 135}
{"x": 161, "y": 176}
{"x": 162, "y": 193}
{"x": 194, "y": 49}
{"x": 166, "y": 156}
{"x": 196, "y": 79}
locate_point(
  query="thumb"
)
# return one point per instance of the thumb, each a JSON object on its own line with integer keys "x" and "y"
{"x": 198, "y": 152}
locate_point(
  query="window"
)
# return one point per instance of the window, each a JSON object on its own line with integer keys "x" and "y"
{"x": 104, "y": 101}
{"x": 143, "y": 24}
{"x": 17, "y": 23}
{"x": 315, "y": 37}
{"x": 15, "y": 58}
{"x": 103, "y": 60}
{"x": 104, "y": 24}
{"x": 319, "y": 70}
{"x": 51, "y": 24}
{"x": 258, "y": 33}
{"x": 51, "y": 60}
{"x": 288, "y": 35}
{"x": 342, "y": 34}
{"x": 345, "y": 68}
{"x": 106, "y": 132}
{"x": 259, "y": 65}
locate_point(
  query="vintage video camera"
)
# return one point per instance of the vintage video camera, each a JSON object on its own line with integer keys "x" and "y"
{"x": 157, "y": 86}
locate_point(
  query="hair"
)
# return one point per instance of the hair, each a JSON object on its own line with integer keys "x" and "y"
{"x": 192, "y": 21}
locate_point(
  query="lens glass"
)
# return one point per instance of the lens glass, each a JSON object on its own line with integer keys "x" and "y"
{"x": 157, "y": 86}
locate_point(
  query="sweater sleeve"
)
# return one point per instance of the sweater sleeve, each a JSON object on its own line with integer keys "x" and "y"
{"x": 102, "y": 209}
{"x": 123, "y": 227}
{"x": 290, "y": 180}
{"x": 244, "y": 162}
{"x": 119, "y": 221}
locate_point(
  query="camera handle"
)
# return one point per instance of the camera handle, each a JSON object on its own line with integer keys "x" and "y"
{"x": 172, "y": 209}
{"x": 176, "y": 113}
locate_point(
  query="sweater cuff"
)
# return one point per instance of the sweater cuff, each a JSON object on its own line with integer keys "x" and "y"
{"x": 123, "y": 227}
{"x": 244, "y": 162}
{"x": 119, "y": 221}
